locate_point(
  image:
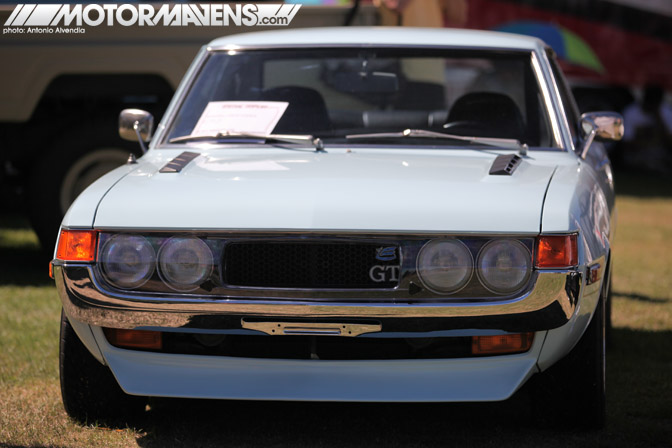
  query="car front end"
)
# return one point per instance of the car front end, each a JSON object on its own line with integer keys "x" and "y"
{"x": 341, "y": 307}
{"x": 363, "y": 218}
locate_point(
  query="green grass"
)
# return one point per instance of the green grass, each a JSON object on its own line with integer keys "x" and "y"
{"x": 639, "y": 376}
{"x": 643, "y": 263}
{"x": 31, "y": 413}
{"x": 27, "y": 328}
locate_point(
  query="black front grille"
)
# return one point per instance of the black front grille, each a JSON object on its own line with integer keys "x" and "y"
{"x": 320, "y": 265}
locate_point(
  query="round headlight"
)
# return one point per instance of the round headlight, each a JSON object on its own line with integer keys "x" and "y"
{"x": 504, "y": 266}
{"x": 127, "y": 261}
{"x": 445, "y": 266}
{"x": 184, "y": 263}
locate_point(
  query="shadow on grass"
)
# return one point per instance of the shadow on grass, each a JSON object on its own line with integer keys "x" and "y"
{"x": 642, "y": 184}
{"x": 638, "y": 400}
{"x": 639, "y": 389}
{"x": 241, "y": 423}
{"x": 24, "y": 267}
{"x": 22, "y": 263}
{"x": 640, "y": 297}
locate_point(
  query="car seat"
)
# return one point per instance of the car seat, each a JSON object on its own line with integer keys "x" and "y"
{"x": 487, "y": 114}
{"x": 306, "y": 112}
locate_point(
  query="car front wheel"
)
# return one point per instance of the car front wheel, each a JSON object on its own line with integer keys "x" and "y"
{"x": 572, "y": 392}
{"x": 89, "y": 390}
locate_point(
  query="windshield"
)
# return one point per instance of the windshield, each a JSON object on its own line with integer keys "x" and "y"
{"x": 335, "y": 93}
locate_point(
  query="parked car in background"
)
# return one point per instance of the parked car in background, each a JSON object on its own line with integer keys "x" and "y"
{"x": 61, "y": 93}
{"x": 363, "y": 214}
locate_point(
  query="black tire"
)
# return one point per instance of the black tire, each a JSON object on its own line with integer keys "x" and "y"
{"x": 72, "y": 162}
{"x": 90, "y": 392}
{"x": 608, "y": 327}
{"x": 572, "y": 392}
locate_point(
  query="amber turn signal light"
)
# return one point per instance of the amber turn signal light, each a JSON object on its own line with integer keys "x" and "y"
{"x": 77, "y": 245}
{"x": 556, "y": 251}
{"x": 144, "y": 339}
{"x": 501, "y": 344}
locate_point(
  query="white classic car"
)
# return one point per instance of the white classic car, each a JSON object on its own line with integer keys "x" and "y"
{"x": 351, "y": 214}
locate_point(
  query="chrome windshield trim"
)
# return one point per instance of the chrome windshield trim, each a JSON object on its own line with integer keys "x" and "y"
{"x": 177, "y": 101}
{"x": 559, "y": 107}
{"x": 550, "y": 304}
{"x": 548, "y": 101}
{"x": 319, "y": 46}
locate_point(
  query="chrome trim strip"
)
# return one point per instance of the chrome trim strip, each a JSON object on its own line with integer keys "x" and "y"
{"x": 561, "y": 107}
{"x": 177, "y": 101}
{"x": 318, "y": 46}
{"x": 548, "y": 100}
{"x": 311, "y": 328}
{"x": 550, "y": 304}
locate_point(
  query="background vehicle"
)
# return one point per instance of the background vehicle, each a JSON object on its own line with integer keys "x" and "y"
{"x": 60, "y": 95}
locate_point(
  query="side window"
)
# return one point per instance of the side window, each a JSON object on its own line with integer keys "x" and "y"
{"x": 571, "y": 110}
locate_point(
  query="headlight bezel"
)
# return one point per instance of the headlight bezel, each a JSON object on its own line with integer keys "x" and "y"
{"x": 527, "y": 256}
{"x": 105, "y": 247}
{"x": 162, "y": 268}
{"x": 459, "y": 245}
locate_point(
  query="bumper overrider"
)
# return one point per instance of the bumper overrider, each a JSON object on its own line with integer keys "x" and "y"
{"x": 550, "y": 302}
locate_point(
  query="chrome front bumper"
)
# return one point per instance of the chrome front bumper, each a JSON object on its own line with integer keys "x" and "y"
{"x": 549, "y": 304}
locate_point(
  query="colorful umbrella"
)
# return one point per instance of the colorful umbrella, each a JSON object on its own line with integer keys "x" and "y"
{"x": 566, "y": 44}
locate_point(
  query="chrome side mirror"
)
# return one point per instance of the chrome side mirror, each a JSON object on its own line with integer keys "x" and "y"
{"x": 601, "y": 125}
{"x": 136, "y": 125}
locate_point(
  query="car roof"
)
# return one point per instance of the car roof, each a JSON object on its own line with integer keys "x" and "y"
{"x": 374, "y": 36}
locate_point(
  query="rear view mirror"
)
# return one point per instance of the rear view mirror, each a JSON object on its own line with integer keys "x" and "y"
{"x": 358, "y": 82}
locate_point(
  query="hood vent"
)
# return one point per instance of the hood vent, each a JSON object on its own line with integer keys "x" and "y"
{"x": 505, "y": 164}
{"x": 178, "y": 163}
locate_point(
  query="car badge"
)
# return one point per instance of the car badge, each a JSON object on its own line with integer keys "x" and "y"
{"x": 386, "y": 253}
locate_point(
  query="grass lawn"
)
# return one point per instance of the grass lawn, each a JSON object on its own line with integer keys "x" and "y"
{"x": 639, "y": 372}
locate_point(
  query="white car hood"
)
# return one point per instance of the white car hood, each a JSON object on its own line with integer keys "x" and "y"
{"x": 362, "y": 190}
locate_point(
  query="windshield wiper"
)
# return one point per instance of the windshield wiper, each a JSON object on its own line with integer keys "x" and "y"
{"x": 283, "y": 138}
{"x": 422, "y": 133}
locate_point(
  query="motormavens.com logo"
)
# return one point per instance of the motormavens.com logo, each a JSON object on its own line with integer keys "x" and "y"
{"x": 66, "y": 18}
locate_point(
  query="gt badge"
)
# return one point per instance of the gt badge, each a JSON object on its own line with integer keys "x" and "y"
{"x": 380, "y": 273}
